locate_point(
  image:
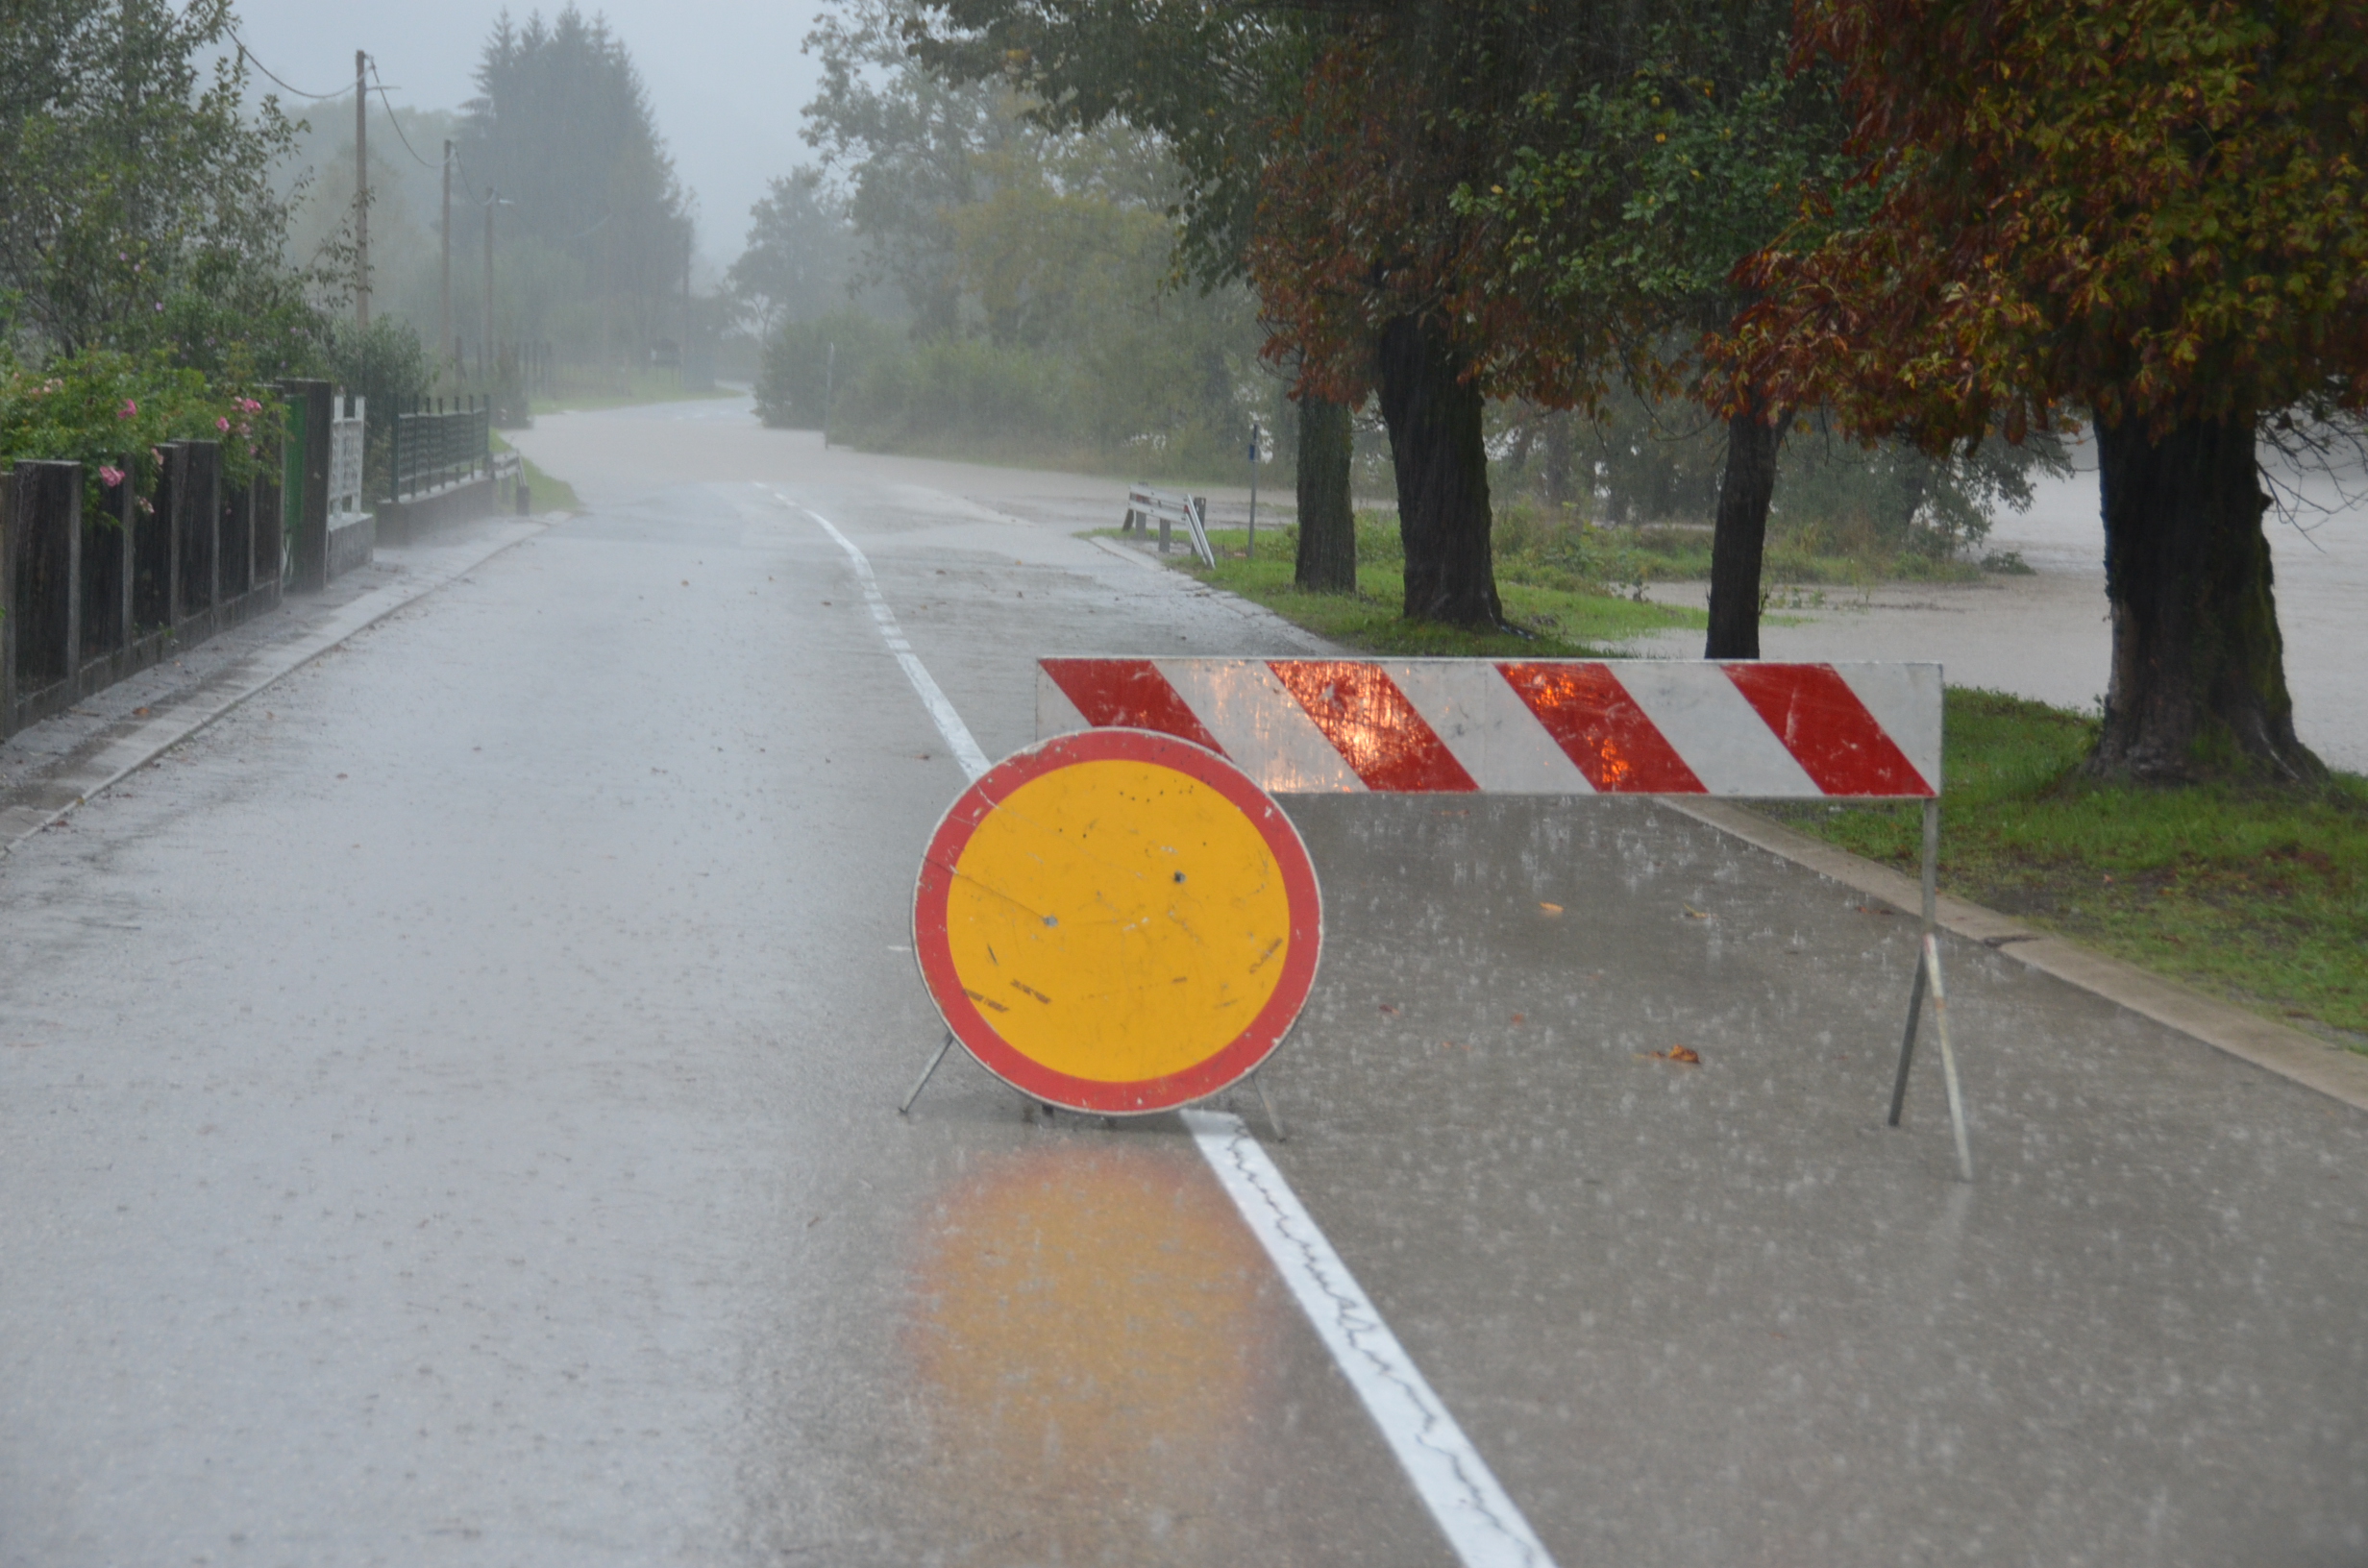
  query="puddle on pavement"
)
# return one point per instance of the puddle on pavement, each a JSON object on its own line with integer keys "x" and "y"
{"x": 1093, "y": 1335}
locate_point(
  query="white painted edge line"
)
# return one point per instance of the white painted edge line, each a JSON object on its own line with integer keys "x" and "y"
{"x": 1122, "y": 552}
{"x": 1481, "y": 1523}
{"x": 262, "y": 669}
{"x": 950, "y": 723}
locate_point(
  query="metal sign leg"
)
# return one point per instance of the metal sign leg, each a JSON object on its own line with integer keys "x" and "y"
{"x": 926, "y": 1073}
{"x": 1259, "y": 1083}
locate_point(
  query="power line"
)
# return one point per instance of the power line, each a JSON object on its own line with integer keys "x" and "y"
{"x": 391, "y": 115}
{"x": 248, "y": 54}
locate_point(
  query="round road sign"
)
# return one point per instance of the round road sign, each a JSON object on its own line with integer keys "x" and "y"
{"x": 1117, "y": 921}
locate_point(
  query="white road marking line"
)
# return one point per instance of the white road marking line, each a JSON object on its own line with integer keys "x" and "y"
{"x": 1481, "y": 1523}
{"x": 950, "y": 723}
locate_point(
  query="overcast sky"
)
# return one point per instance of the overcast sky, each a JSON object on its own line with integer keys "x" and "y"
{"x": 726, "y": 80}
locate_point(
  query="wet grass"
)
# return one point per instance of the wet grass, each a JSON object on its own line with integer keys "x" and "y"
{"x": 1555, "y": 614}
{"x": 1533, "y": 538}
{"x": 2259, "y": 896}
{"x": 548, "y": 494}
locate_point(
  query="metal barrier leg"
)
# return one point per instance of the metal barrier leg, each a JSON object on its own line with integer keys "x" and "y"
{"x": 1927, "y": 976}
{"x": 1948, "y": 1060}
{"x": 926, "y": 1073}
{"x": 1907, "y": 1041}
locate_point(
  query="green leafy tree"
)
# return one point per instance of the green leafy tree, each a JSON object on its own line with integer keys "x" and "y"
{"x": 914, "y": 148}
{"x": 801, "y": 252}
{"x": 136, "y": 205}
{"x": 1210, "y": 83}
{"x": 1640, "y": 181}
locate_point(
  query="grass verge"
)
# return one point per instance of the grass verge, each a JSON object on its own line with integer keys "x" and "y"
{"x": 2259, "y": 896}
{"x": 1557, "y": 615}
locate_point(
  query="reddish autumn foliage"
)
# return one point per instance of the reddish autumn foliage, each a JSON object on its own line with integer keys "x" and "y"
{"x": 1359, "y": 222}
{"x": 2154, "y": 209}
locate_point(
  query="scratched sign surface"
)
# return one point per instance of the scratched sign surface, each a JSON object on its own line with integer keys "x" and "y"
{"x": 1117, "y": 921}
{"x": 1556, "y": 727}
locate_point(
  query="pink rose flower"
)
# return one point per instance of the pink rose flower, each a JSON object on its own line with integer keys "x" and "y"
{"x": 109, "y": 475}
{"x": 222, "y": 423}
{"x": 128, "y": 409}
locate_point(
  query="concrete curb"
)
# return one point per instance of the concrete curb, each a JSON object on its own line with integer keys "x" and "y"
{"x": 2289, "y": 1053}
{"x": 94, "y": 770}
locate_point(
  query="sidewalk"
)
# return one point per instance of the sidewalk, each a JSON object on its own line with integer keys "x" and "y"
{"x": 49, "y": 769}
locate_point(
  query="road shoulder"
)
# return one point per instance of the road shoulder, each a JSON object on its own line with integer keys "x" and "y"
{"x": 2289, "y": 1053}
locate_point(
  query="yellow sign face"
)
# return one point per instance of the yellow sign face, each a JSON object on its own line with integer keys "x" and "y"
{"x": 1131, "y": 919}
{"x": 1114, "y": 921}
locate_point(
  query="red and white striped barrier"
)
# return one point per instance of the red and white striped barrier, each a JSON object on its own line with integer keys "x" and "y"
{"x": 1550, "y": 726}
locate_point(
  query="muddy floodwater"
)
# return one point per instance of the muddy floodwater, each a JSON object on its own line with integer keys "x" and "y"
{"x": 2046, "y": 635}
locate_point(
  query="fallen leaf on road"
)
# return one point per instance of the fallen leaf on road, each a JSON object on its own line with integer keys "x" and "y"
{"x": 141, "y": 713}
{"x": 1683, "y": 1055}
{"x": 1550, "y": 909}
{"x": 1693, "y": 914}
{"x": 1387, "y": 1008}
{"x": 1518, "y": 1018}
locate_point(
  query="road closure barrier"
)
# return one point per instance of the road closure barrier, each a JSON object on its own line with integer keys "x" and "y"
{"x": 1739, "y": 730}
{"x": 1638, "y": 726}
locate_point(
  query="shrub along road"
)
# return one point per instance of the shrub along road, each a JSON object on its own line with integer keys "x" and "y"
{"x": 446, "y": 1115}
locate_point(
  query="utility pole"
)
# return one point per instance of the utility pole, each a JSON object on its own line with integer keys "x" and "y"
{"x": 444, "y": 320}
{"x": 362, "y": 194}
{"x": 682, "y": 357}
{"x": 491, "y": 202}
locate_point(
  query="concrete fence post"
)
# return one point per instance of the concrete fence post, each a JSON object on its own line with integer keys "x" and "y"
{"x": 197, "y": 530}
{"x": 41, "y": 559}
{"x": 107, "y": 581}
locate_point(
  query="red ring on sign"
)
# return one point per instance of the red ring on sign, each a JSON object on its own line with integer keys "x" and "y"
{"x": 1230, "y": 1062}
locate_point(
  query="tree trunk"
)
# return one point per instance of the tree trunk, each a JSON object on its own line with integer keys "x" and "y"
{"x": 1558, "y": 461}
{"x": 2198, "y": 685}
{"x": 1327, "y": 519}
{"x": 1441, "y": 459}
{"x": 1744, "y": 488}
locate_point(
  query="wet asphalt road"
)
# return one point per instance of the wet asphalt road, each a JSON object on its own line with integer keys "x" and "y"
{"x": 446, "y": 1116}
